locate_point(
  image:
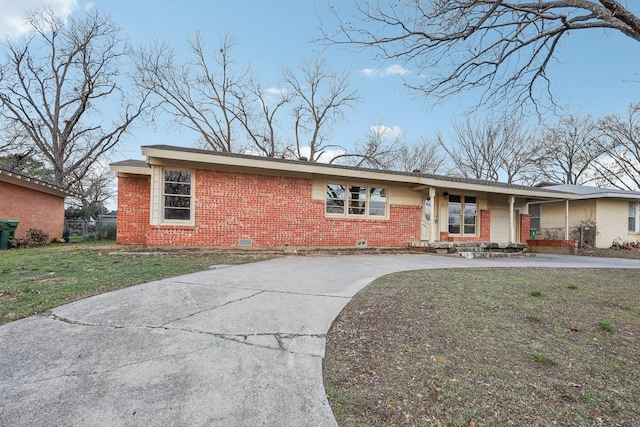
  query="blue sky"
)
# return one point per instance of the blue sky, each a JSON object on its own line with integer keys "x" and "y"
{"x": 597, "y": 72}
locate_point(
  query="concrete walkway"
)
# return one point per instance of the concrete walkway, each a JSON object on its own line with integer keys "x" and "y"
{"x": 233, "y": 346}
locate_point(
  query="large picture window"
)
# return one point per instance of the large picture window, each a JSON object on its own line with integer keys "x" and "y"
{"x": 357, "y": 201}
{"x": 462, "y": 215}
{"x": 177, "y": 195}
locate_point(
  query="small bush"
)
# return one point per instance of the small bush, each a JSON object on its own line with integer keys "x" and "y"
{"x": 536, "y": 294}
{"x": 106, "y": 231}
{"x": 33, "y": 239}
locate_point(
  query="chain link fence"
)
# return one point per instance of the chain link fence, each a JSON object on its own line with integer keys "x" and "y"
{"x": 104, "y": 229}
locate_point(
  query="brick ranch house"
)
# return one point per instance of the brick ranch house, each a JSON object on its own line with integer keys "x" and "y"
{"x": 36, "y": 204}
{"x": 189, "y": 197}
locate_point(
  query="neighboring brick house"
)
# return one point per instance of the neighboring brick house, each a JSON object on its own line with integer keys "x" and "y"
{"x": 36, "y": 204}
{"x": 190, "y": 197}
{"x": 605, "y": 215}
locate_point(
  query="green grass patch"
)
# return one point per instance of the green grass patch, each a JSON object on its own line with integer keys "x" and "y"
{"x": 605, "y": 326}
{"x": 536, "y": 294}
{"x": 545, "y": 360}
{"x": 572, "y": 287}
{"x": 456, "y": 347}
{"x": 35, "y": 280}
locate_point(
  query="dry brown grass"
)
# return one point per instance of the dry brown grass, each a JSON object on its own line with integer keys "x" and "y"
{"x": 483, "y": 348}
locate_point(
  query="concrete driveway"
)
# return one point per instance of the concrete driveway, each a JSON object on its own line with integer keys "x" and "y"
{"x": 232, "y": 346}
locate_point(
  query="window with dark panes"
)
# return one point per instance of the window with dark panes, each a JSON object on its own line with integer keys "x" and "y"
{"x": 535, "y": 209}
{"x": 462, "y": 214}
{"x": 377, "y": 201}
{"x": 455, "y": 209}
{"x": 335, "y": 199}
{"x": 177, "y": 195}
{"x": 469, "y": 215}
{"x": 358, "y": 201}
{"x": 634, "y": 217}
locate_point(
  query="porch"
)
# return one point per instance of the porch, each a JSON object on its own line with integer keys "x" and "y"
{"x": 472, "y": 249}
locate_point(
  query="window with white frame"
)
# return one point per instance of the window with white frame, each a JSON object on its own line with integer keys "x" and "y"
{"x": 634, "y": 217}
{"x": 177, "y": 195}
{"x": 535, "y": 210}
{"x": 462, "y": 215}
{"x": 356, "y": 201}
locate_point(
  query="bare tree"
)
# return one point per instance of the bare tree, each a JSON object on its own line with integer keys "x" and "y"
{"x": 375, "y": 151}
{"x": 570, "y": 149}
{"x": 201, "y": 94}
{"x": 258, "y": 108}
{"x": 384, "y": 148}
{"x": 621, "y": 164}
{"x": 503, "y": 46}
{"x": 521, "y": 153}
{"x": 493, "y": 150}
{"x": 55, "y": 82}
{"x": 93, "y": 190}
{"x": 424, "y": 156}
{"x": 475, "y": 149}
{"x": 320, "y": 97}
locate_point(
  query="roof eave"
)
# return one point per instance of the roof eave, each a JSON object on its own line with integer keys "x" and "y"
{"x": 157, "y": 155}
{"x": 130, "y": 170}
{"x": 33, "y": 184}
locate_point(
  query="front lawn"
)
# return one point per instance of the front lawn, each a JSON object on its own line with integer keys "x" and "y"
{"x": 35, "y": 280}
{"x": 489, "y": 347}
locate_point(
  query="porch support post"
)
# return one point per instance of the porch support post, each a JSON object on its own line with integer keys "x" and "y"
{"x": 432, "y": 216}
{"x": 512, "y": 225}
{"x": 566, "y": 220}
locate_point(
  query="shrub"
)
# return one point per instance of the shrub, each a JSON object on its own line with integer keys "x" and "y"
{"x": 33, "y": 239}
{"x": 106, "y": 230}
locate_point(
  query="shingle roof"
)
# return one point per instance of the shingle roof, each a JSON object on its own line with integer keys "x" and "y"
{"x": 131, "y": 163}
{"x": 343, "y": 167}
{"x": 588, "y": 192}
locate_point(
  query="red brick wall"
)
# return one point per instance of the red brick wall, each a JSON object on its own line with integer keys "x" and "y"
{"x": 34, "y": 209}
{"x": 268, "y": 210}
{"x": 134, "y": 198}
{"x": 554, "y": 243}
{"x": 525, "y": 227}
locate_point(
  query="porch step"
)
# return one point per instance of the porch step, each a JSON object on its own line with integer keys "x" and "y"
{"x": 472, "y": 249}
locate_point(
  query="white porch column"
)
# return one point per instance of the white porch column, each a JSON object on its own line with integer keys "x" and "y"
{"x": 566, "y": 220}
{"x": 432, "y": 217}
{"x": 512, "y": 225}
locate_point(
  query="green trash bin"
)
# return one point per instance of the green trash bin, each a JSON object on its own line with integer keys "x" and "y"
{"x": 532, "y": 234}
{"x": 7, "y": 231}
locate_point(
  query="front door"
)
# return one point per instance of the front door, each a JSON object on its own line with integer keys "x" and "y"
{"x": 425, "y": 233}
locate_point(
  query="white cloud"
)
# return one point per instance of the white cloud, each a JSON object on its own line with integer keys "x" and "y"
{"x": 394, "y": 132}
{"x": 325, "y": 157}
{"x": 370, "y": 72}
{"x": 392, "y": 70}
{"x": 14, "y": 13}
{"x": 275, "y": 91}
{"x": 396, "y": 69}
